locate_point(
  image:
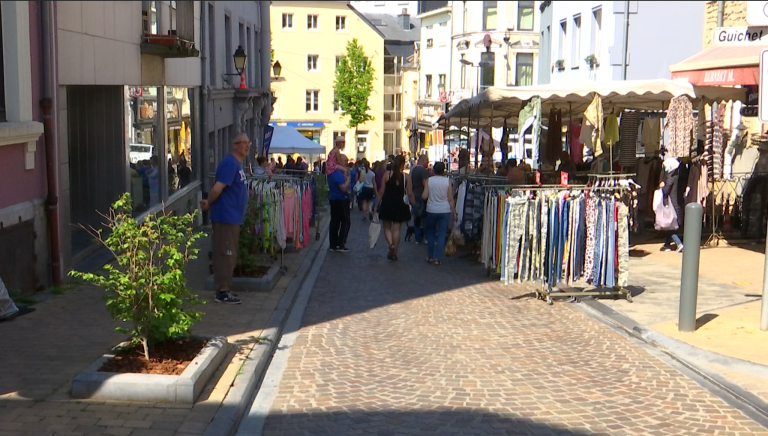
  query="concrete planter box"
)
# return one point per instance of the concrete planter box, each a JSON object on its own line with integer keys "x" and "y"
{"x": 247, "y": 284}
{"x": 179, "y": 389}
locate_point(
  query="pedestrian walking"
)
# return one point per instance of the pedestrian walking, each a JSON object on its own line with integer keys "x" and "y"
{"x": 368, "y": 177}
{"x": 395, "y": 197}
{"x": 675, "y": 191}
{"x": 227, "y": 201}
{"x": 353, "y": 179}
{"x": 338, "y": 197}
{"x": 418, "y": 176}
{"x": 441, "y": 211}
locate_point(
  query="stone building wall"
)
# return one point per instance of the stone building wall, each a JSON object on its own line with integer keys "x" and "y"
{"x": 734, "y": 14}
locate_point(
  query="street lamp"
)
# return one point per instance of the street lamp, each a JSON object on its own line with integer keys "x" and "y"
{"x": 276, "y": 69}
{"x": 239, "y": 57}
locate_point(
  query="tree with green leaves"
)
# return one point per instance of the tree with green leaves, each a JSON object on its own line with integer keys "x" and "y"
{"x": 353, "y": 86}
{"x": 147, "y": 285}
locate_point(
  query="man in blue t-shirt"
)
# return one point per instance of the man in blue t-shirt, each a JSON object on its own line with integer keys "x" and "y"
{"x": 227, "y": 201}
{"x": 338, "y": 197}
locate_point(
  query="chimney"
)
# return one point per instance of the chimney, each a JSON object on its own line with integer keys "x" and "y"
{"x": 405, "y": 19}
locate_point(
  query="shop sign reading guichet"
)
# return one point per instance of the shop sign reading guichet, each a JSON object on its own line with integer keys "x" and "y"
{"x": 740, "y": 36}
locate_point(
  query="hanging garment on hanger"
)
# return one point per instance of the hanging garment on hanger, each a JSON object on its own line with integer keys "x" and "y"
{"x": 594, "y": 114}
{"x": 551, "y": 153}
{"x": 576, "y": 146}
{"x": 611, "y": 135}
{"x": 651, "y": 135}
{"x": 680, "y": 125}
{"x": 628, "y": 149}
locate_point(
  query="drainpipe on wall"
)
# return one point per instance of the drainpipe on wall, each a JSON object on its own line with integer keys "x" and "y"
{"x": 48, "y": 104}
{"x": 720, "y": 10}
{"x": 203, "y": 165}
{"x": 625, "y": 41}
{"x": 266, "y": 70}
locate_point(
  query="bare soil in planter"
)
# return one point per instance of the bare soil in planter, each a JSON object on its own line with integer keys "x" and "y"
{"x": 252, "y": 272}
{"x": 167, "y": 358}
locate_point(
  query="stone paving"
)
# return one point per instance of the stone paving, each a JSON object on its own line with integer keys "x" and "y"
{"x": 410, "y": 348}
{"x": 42, "y": 351}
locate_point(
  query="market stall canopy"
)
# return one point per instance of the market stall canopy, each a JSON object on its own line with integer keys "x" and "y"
{"x": 495, "y": 105}
{"x": 721, "y": 65}
{"x": 287, "y": 140}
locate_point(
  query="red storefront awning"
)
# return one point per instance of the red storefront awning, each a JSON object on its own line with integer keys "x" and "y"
{"x": 721, "y": 66}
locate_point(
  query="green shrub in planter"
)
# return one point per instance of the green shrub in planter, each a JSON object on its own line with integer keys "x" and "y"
{"x": 148, "y": 286}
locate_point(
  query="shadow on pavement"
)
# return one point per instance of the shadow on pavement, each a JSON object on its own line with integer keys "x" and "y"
{"x": 426, "y": 423}
{"x": 704, "y": 319}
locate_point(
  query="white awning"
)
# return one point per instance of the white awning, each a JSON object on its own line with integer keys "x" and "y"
{"x": 495, "y": 105}
{"x": 287, "y": 140}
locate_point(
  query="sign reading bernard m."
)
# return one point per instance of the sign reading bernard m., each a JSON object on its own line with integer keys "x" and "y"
{"x": 757, "y": 13}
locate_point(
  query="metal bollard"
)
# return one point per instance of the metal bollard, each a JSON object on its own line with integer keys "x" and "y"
{"x": 689, "y": 279}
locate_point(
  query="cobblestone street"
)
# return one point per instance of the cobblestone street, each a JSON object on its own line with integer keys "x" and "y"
{"x": 410, "y": 348}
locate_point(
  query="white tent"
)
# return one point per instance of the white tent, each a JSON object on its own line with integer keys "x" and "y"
{"x": 495, "y": 105}
{"x": 287, "y": 140}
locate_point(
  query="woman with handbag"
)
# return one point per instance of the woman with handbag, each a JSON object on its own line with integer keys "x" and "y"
{"x": 395, "y": 196}
{"x": 673, "y": 192}
{"x": 440, "y": 212}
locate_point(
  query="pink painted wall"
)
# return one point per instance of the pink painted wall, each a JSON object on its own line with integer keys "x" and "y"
{"x": 18, "y": 185}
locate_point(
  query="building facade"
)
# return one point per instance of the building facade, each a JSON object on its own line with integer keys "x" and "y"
{"x": 25, "y": 261}
{"x": 401, "y": 34}
{"x": 129, "y": 77}
{"x": 499, "y": 40}
{"x": 230, "y": 25}
{"x": 386, "y": 7}
{"x": 308, "y": 39}
{"x": 585, "y": 39}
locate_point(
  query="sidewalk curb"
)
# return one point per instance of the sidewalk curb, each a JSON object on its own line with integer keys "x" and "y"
{"x": 246, "y": 382}
{"x": 253, "y": 421}
{"x": 681, "y": 354}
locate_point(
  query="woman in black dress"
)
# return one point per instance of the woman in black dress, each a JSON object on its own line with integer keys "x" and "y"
{"x": 395, "y": 208}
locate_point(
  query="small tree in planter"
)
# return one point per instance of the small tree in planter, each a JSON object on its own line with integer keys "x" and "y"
{"x": 147, "y": 287}
{"x": 560, "y": 64}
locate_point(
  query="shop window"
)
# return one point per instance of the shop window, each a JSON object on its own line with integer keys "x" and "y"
{"x": 312, "y": 22}
{"x": 142, "y": 143}
{"x": 313, "y": 101}
{"x": 341, "y": 23}
{"x": 178, "y": 123}
{"x": 524, "y": 69}
{"x": 489, "y": 15}
{"x": 525, "y": 15}
{"x": 287, "y": 21}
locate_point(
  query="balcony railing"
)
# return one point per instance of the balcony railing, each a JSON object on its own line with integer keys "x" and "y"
{"x": 176, "y": 41}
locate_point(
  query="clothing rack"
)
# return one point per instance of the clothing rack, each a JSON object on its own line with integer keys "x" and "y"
{"x": 545, "y": 291}
{"x": 281, "y": 179}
